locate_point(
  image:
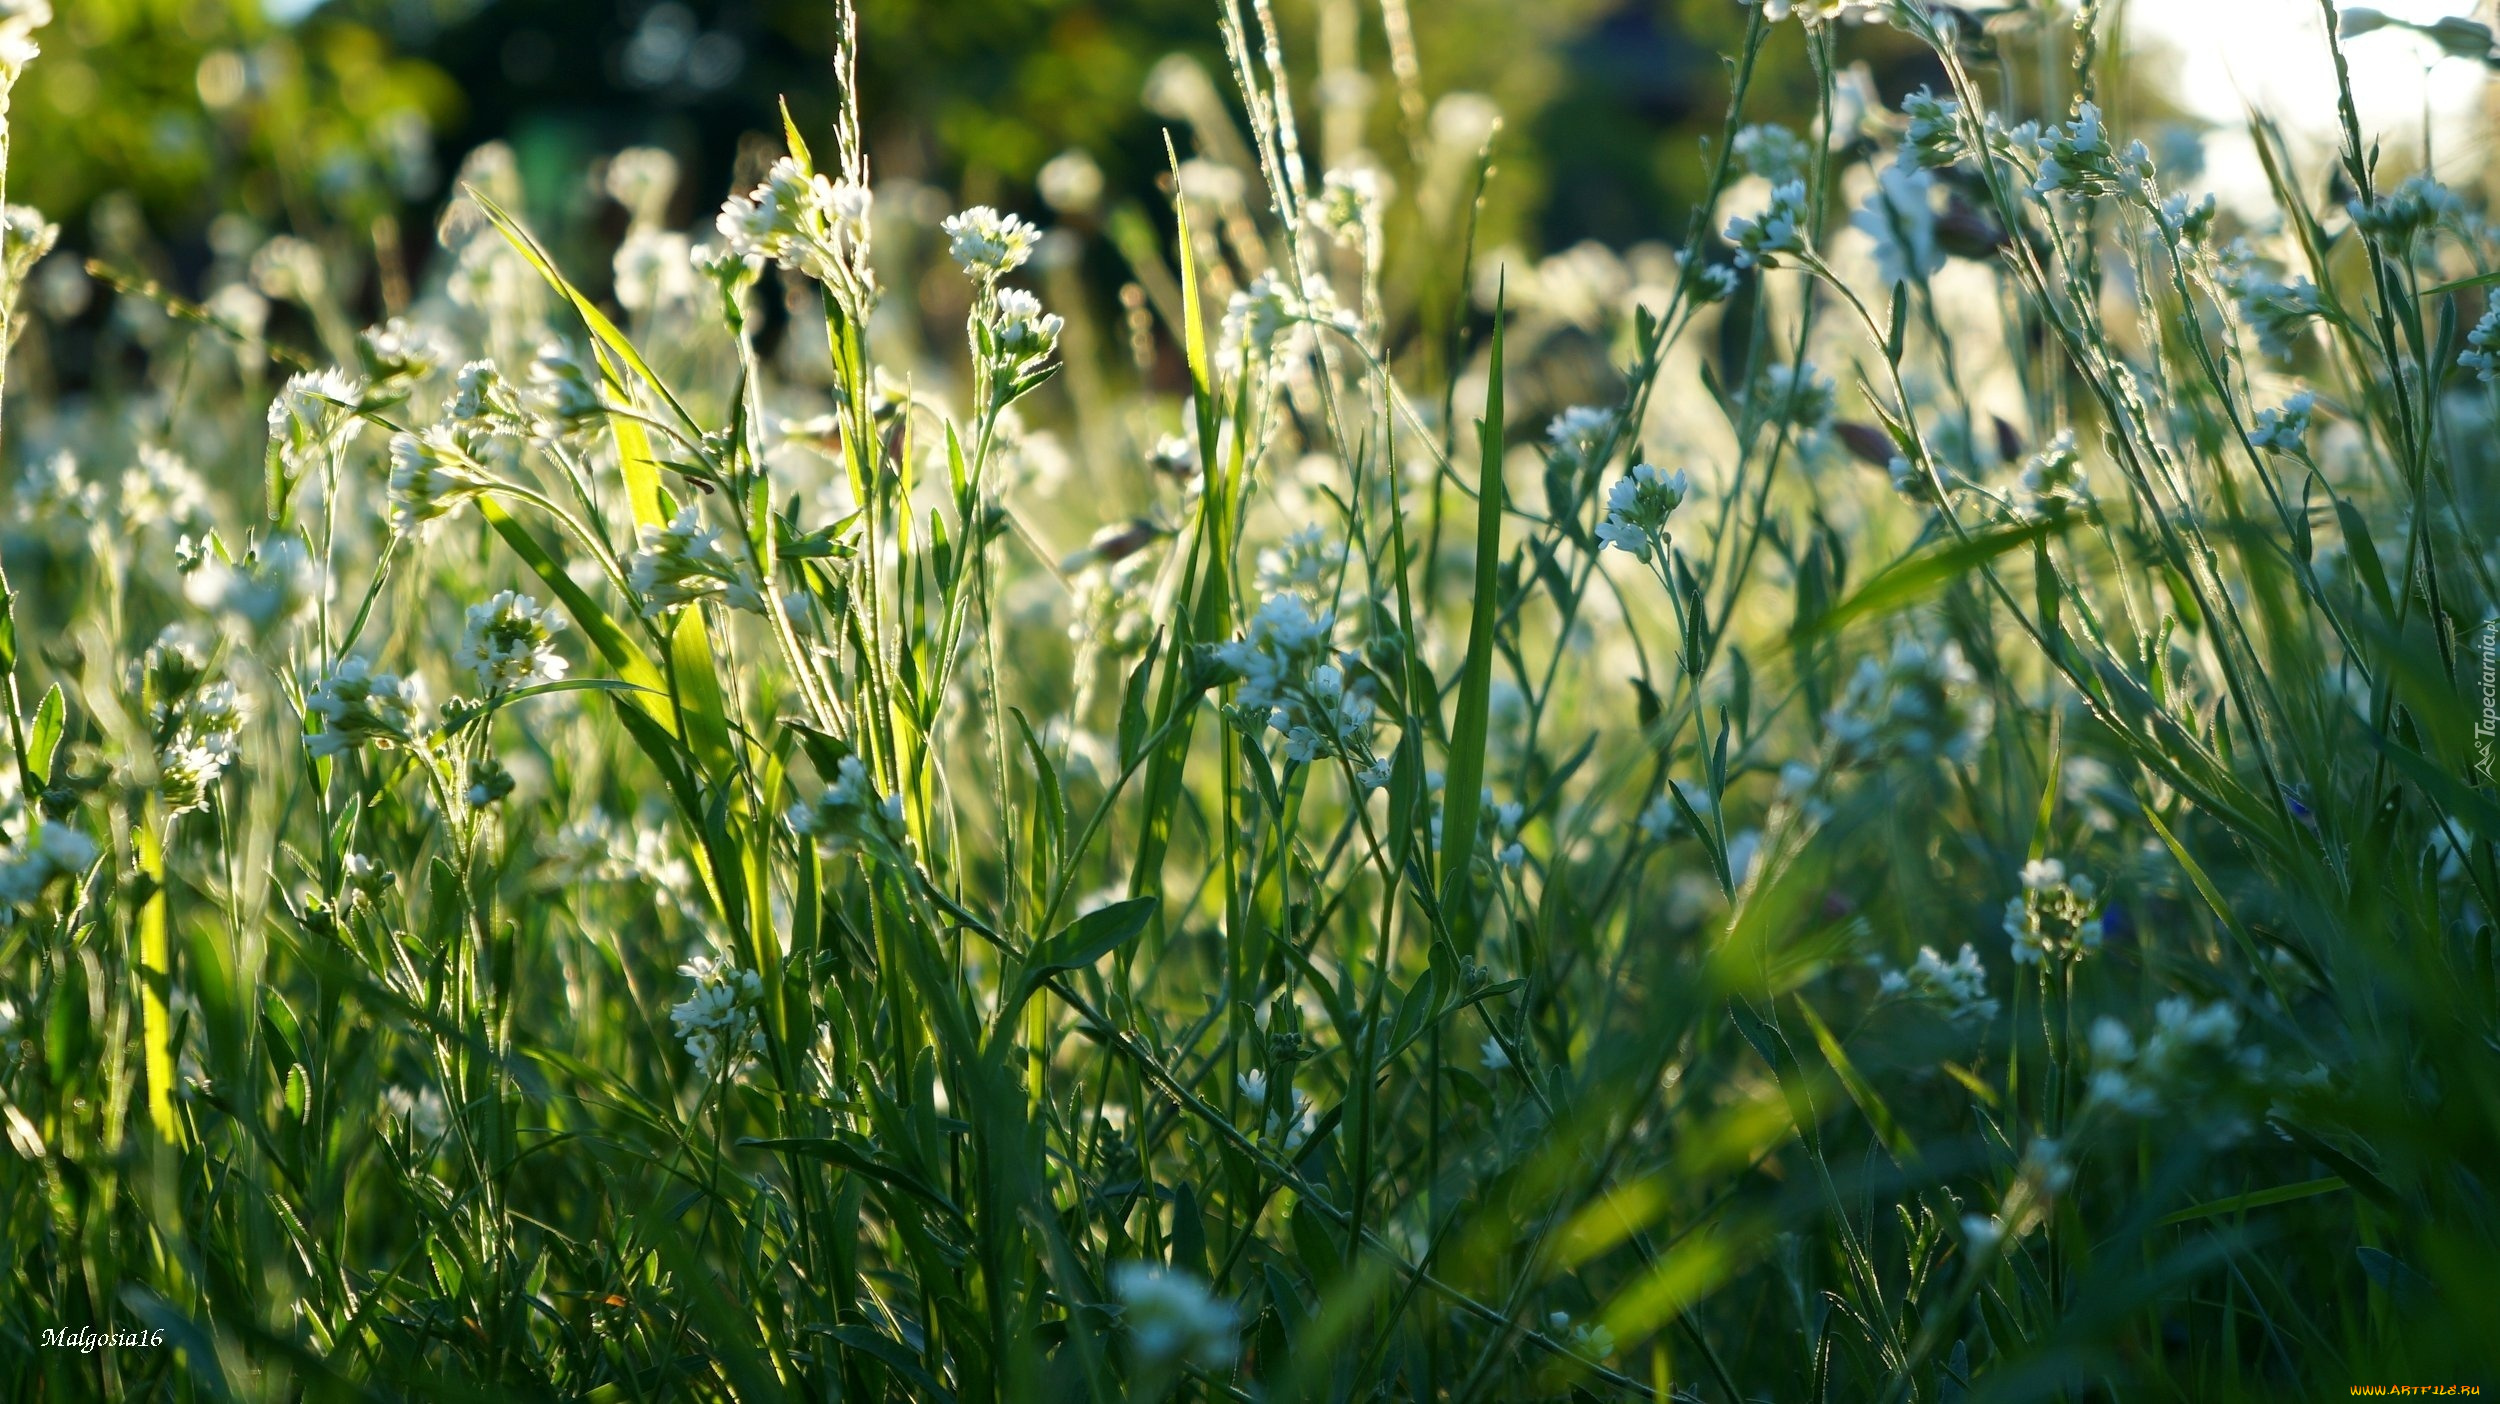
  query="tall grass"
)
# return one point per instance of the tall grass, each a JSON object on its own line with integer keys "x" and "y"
{"x": 1890, "y": 803}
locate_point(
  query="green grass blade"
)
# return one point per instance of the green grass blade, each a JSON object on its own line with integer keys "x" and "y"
{"x": 1463, "y": 802}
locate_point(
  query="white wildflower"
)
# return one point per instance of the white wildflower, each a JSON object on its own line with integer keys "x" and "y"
{"x": 2057, "y": 917}
{"x": 683, "y": 562}
{"x": 1934, "y": 135}
{"x": 2052, "y": 481}
{"x": 2284, "y": 429}
{"x": 1959, "y": 986}
{"x": 1772, "y": 152}
{"x": 432, "y": 476}
{"x": 313, "y": 417}
{"x": 642, "y": 178}
{"x": 849, "y": 814}
{"x": 1917, "y": 705}
{"x": 1780, "y": 230}
{"x": 805, "y": 223}
{"x": 356, "y": 705}
{"x": 509, "y": 642}
{"x": 1348, "y": 206}
{"x": 988, "y": 244}
{"x": 29, "y": 867}
{"x": 2417, "y": 204}
{"x": 1637, "y": 508}
{"x": 1307, "y": 562}
{"x": 718, "y": 1022}
{"x": 1799, "y": 396}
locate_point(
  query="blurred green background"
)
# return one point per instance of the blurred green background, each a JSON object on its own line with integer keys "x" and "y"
{"x": 194, "y": 127}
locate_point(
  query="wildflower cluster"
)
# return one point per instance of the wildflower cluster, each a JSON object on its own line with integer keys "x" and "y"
{"x": 849, "y": 815}
{"x": 808, "y": 225}
{"x": 1589, "y": 1340}
{"x": 2284, "y": 429}
{"x": 195, "y": 721}
{"x": 681, "y": 563}
{"x": 2415, "y": 206}
{"x": 2482, "y": 347}
{"x": 1637, "y": 508}
{"x": 1290, "y": 1122}
{"x": 395, "y": 356}
{"x": 2077, "y": 159}
{"x": 1780, "y": 231}
{"x": 1772, "y": 152}
{"x": 30, "y": 866}
{"x": 433, "y": 474}
{"x": 1347, "y": 209}
{"x": 1013, "y": 340}
{"x": 2191, "y": 1061}
{"x": 357, "y": 706}
{"x": 1306, "y": 562}
{"x": 509, "y": 642}
{"x": 2057, "y": 917}
{"x": 1289, "y": 684}
{"x": 274, "y": 583}
{"x": 1900, "y": 216}
{"x": 1915, "y": 706}
{"x": 718, "y": 1022}
{"x": 312, "y": 419}
{"x": 1799, "y": 397}
{"x": 2279, "y": 312}
{"x": 2052, "y": 482}
{"x": 988, "y": 245}
{"x": 1958, "y": 987}
{"x": 1933, "y": 136}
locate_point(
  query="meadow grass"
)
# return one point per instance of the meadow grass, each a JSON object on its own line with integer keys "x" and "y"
{"x": 1889, "y": 802}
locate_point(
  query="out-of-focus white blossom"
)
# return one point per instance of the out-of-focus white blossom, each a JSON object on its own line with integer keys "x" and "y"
{"x": 357, "y": 706}
{"x": 1959, "y": 986}
{"x": 1900, "y": 216}
{"x": 1917, "y": 705}
{"x": 2284, "y": 429}
{"x": 1779, "y": 231}
{"x": 2052, "y": 482}
{"x": 849, "y": 814}
{"x": 432, "y": 476}
{"x": 1171, "y": 1317}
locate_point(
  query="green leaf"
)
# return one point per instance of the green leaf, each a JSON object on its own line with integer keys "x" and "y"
{"x": 43, "y": 744}
{"x": 2256, "y": 1199}
{"x": 1085, "y": 940}
{"x": 790, "y": 134}
{"x": 853, "y": 1154}
{"x": 1462, "y": 802}
{"x": 1416, "y": 1010}
{"x": 2362, "y": 551}
{"x": 1862, "y": 1092}
{"x": 1907, "y": 579}
{"x": 895, "y": 1356}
